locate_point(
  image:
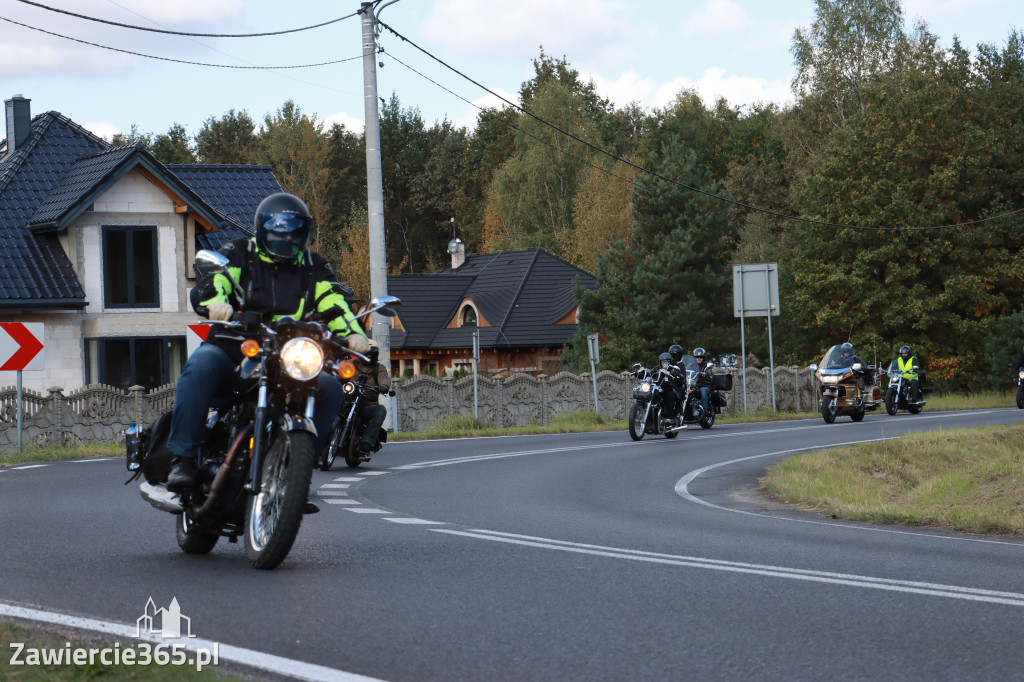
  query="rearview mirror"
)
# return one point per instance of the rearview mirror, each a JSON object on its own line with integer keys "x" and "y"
{"x": 215, "y": 263}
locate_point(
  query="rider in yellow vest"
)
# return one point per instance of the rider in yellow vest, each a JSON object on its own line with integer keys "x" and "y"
{"x": 907, "y": 364}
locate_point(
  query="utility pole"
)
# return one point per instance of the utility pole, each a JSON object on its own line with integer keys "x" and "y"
{"x": 380, "y": 326}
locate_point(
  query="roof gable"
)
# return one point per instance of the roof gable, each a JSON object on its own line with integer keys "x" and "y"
{"x": 235, "y": 191}
{"x": 522, "y": 293}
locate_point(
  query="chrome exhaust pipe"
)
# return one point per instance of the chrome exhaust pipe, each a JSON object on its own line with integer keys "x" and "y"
{"x": 161, "y": 498}
{"x": 676, "y": 429}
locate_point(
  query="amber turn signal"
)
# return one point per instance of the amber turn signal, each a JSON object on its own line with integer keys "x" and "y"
{"x": 250, "y": 348}
{"x": 346, "y": 370}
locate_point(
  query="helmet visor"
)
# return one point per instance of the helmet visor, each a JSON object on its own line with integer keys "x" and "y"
{"x": 285, "y": 234}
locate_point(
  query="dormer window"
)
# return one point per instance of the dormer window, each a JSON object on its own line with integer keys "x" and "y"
{"x": 468, "y": 316}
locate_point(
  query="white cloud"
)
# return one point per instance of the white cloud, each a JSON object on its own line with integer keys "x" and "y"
{"x": 718, "y": 18}
{"x": 585, "y": 29}
{"x": 712, "y": 84}
{"x": 102, "y": 128}
{"x": 351, "y": 123}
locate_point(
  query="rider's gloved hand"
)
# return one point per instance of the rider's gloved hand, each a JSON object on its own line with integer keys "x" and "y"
{"x": 358, "y": 343}
{"x": 219, "y": 310}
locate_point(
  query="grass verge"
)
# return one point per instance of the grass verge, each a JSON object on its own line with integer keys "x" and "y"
{"x": 962, "y": 479}
{"x": 465, "y": 425}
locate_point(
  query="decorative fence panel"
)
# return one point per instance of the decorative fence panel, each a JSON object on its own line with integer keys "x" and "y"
{"x": 100, "y": 414}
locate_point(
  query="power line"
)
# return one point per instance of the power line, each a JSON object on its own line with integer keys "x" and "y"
{"x": 711, "y": 195}
{"x": 183, "y": 33}
{"x": 178, "y": 61}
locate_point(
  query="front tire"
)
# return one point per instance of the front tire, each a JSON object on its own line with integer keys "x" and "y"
{"x": 273, "y": 517}
{"x": 890, "y": 402}
{"x": 637, "y": 420}
{"x": 1020, "y": 397}
{"x": 828, "y": 410}
{"x": 190, "y": 539}
{"x": 709, "y": 419}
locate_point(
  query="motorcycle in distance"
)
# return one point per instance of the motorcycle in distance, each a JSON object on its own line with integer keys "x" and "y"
{"x": 1020, "y": 387}
{"x": 840, "y": 388}
{"x": 897, "y": 395}
{"x": 349, "y": 426}
{"x": 645, "y": 415}
{"x": 692, "y": 412}
{"x": 256, "y": 462}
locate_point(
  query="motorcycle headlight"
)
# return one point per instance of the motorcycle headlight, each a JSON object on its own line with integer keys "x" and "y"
{"x": 302, "y": 358}
{"x": 830, "y": 379}
{"x": 646, "y": 387}
{"x": 1020, "y": 375}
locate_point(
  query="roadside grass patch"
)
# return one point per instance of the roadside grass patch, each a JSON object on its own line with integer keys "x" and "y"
{"x": 37, "y": 453}
{"x": 465, "y": 425}
{"x": 963, "y": 479}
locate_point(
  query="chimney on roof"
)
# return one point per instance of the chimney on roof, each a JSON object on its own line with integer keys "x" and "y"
{"x": 19, "y": 122}
{"x": 458, "y": 251}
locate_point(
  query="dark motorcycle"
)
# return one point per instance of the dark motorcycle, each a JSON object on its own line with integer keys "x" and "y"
{"x": 645, "y": 415}
{"x": 692, "y": 412}
{"x": 256, "y": 462}
{"x": 349, "y": 427}
{"x": 897, "y": 395}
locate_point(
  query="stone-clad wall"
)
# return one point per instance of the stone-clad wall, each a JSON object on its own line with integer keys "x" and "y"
{"x": 100, "y": 414}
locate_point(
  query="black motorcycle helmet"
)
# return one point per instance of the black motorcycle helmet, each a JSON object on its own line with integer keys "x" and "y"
{"x": 904, "y": 352}
{"x": 846, "y": 350}
{"x": 663, "y": 358}
{"x": 374, "y": 352}
{"x": 283, "y": 225}
{"x": 676, "y": 351}
{"x": 698, "y": 353}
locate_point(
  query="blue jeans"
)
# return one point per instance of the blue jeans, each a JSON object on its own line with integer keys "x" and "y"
{"x": 209, "y": 374}
{"x": 705, "y": 395}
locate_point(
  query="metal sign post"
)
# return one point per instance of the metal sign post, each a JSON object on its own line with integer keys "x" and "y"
{"x": 594, "y": 350}
{"x": 755, "y": 294}
{"x": 476, "y": 364}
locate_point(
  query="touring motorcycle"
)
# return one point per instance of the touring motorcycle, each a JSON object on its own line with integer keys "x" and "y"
{"x": 256, "y": 462}
{"x": 897, "y": 395}
{"x": 645, "y": 415}
{"x": 841, "y": 387}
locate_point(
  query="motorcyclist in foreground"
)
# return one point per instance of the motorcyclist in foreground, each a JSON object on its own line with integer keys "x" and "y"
{"x": 280, "y": 278}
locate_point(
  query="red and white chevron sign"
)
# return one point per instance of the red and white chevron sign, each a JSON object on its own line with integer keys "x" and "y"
{"x": 21, "y": 346}
{"x": 195, "y": 335}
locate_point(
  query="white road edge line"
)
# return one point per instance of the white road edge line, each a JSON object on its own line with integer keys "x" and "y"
{"x": 907, "y": 587}
{"x": 255, "y": 659}
{"x": 682, "y": 489}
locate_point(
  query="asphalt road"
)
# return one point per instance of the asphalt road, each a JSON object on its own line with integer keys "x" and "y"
{"x": 570, "y": 557}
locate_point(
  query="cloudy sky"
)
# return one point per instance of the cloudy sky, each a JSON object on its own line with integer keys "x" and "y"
{"x": 641, "y": 52}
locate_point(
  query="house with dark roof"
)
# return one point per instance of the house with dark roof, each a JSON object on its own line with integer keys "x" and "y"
{"x": 521, "y": 303}
{"x": 97, "y": 243}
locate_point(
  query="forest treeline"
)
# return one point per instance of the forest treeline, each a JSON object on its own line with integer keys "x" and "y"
{"x": 890, "y": 131}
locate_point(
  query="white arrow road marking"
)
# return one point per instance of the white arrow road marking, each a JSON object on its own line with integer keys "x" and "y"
{"x": 851, "y": 580}
{"x": 256, "y": 659}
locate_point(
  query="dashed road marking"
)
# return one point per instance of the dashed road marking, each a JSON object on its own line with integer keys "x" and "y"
{"x": 333, "y": 500}
{"x": 367, "y": 511}
{"x": 422, "y": 522}
{"x": 334, "y": 485}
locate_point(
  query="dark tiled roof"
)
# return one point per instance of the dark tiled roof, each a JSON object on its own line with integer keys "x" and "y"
{"x": 79, "y": 180}
{"x": 34, "y": 271}
{"x": 235, "y": 191}
{"x": 520, "y": 293}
